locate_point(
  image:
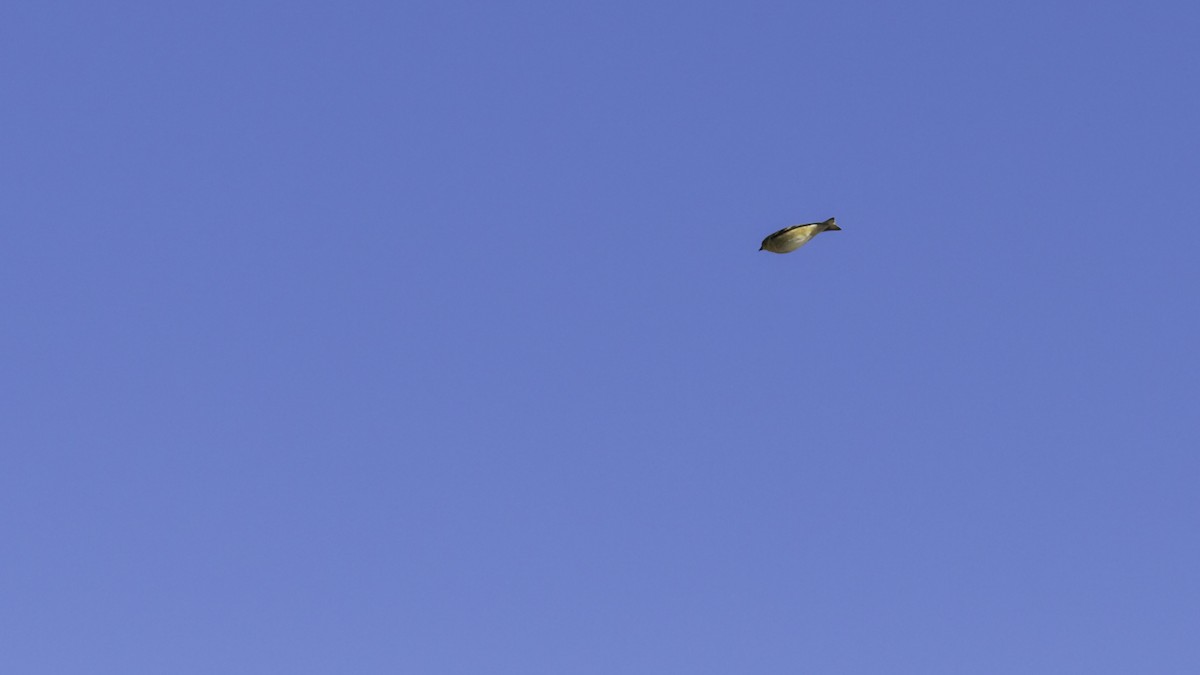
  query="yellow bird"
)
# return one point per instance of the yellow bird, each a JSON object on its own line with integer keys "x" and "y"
{"x": 791, "y": 238}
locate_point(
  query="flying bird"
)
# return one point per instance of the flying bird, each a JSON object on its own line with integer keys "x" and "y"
{"x": 791, "y": 238}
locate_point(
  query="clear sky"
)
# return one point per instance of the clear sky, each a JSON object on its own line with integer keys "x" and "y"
{"x": 433, "y": 337}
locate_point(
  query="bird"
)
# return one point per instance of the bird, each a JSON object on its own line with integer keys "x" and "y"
{"x": 791, "y": 238}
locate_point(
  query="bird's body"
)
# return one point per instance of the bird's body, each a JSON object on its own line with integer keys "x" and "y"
{"x": 791, "y": 238}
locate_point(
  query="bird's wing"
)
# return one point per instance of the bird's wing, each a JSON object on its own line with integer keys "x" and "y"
{"x": 789, "y": 228}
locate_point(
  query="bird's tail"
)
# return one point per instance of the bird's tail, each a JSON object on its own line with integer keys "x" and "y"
{"x": 831, "y": 224}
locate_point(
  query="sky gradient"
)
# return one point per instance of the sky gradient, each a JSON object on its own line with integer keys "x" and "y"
{"x": 432, "y": 337}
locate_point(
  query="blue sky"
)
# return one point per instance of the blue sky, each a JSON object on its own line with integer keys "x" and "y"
{"x": 432, "y": 337}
